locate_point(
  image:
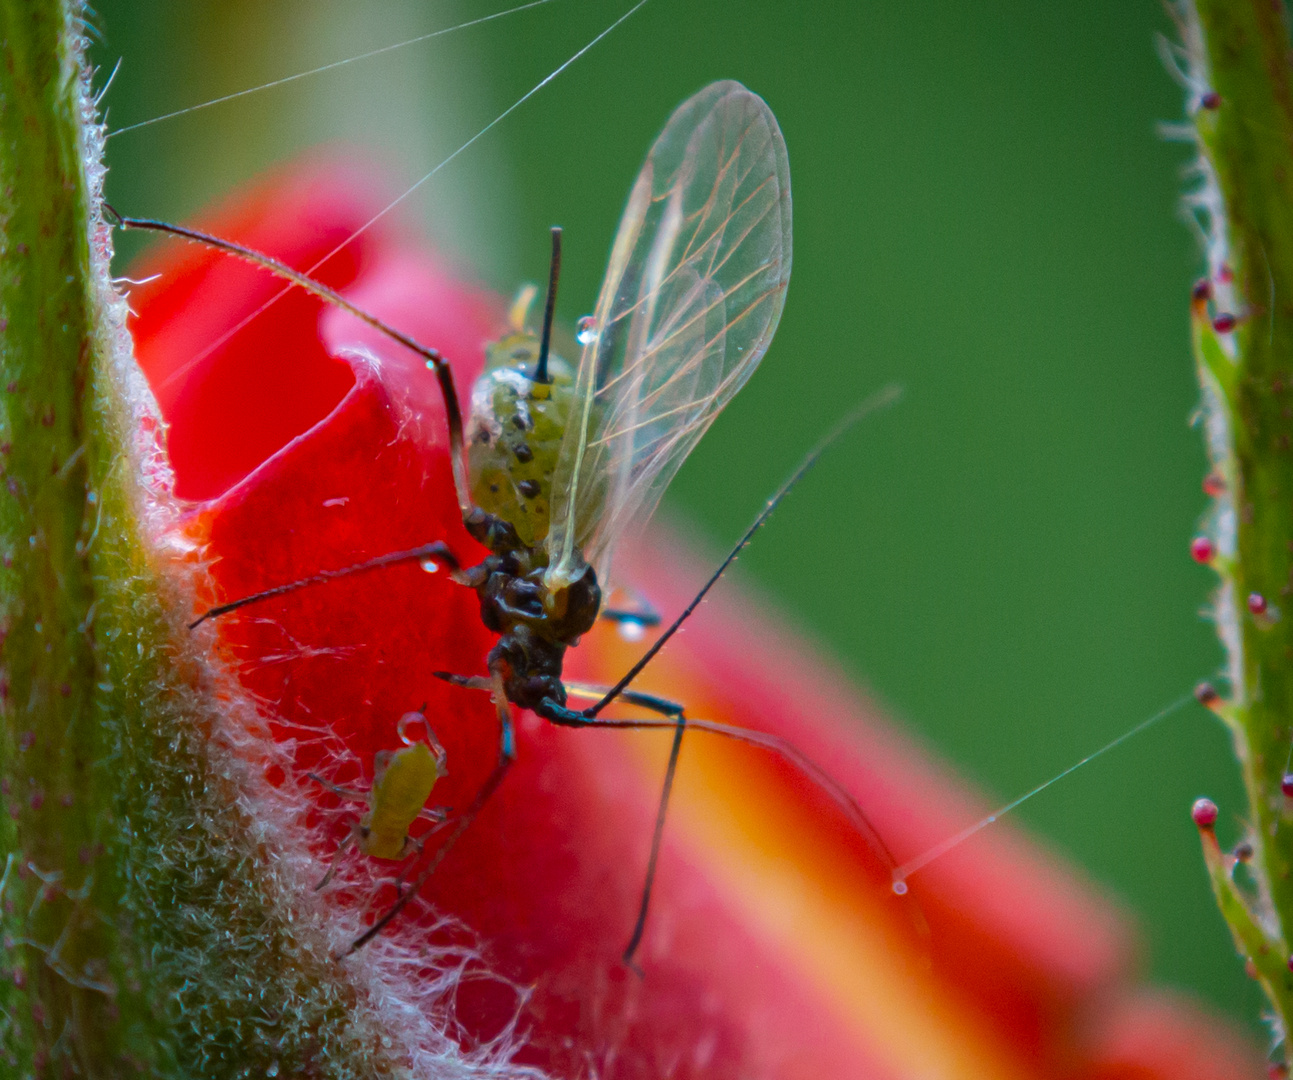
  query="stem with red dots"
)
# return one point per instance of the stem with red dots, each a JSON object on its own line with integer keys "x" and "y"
{"x": 1236, "y": 68}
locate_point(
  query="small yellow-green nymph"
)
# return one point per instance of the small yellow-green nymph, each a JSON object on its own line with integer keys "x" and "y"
{"x": 402, "y": 784}
{"x": 516, "y": 430}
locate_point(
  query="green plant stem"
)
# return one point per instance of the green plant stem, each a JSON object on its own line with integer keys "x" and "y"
{"x": 143, "y": 930}
{"x": 65, "y": 994}
{"x": 1242, "y": 50}
{"x": 1267, "y": 964}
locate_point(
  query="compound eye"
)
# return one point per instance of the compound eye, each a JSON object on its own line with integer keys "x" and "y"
{"x": 365, "y": 832}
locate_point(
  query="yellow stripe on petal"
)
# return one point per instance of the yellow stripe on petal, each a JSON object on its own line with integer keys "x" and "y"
{"x": 775, "y": 867}
{"x": 796, "y": 884}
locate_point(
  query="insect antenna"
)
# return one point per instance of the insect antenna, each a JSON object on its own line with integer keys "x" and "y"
{"x": 549, "y": 307}
{"x": 880, "y": 400}
{"x": 435, "y": 362}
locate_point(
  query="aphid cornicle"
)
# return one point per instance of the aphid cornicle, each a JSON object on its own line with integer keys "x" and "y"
{"x": 558, "y": 464}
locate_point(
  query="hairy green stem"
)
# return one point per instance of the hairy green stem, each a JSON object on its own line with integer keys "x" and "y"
{"x": 70, "y": 997}
{"x": 1238, "y": 75}
{"x": 143, "y": 931}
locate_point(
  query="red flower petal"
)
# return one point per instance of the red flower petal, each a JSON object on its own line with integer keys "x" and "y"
{"x": 775, "y": 946}
{"x": 1150, "y": 1035}
{"x": 220, "y": 432}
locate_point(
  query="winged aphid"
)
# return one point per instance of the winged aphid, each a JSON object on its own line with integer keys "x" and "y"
{"x": 557, "y": 462}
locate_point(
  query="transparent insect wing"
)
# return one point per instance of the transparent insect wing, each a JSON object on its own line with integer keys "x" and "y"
{"x": 695, "y": 287}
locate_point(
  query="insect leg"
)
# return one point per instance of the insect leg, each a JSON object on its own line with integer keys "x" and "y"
{"x": 335, "y": 861}
{"x": 506, "y": 755}
{"x": 775, "y": 744}
{"x": 436, "y": 550}
{"x": 436, "y": 362}
{"x": 678, "y": 722}
{"x": 657, "y": 838}
{"x": 345, "y": 793}
{"x": 641, "y": 612}
{"x": 417, "y": 846}
{"x": 436, "y": 815}
{"x": 471, "y": 682}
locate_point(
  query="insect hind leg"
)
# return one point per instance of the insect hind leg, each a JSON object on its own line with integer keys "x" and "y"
{"x": 651, "y": 702}
{"x": 434, "y": 361}
{"x": 657, "y": 839}
{"x": 678, "y": 721}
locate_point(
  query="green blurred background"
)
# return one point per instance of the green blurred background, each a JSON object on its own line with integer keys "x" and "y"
{"x": 983, "y": 212}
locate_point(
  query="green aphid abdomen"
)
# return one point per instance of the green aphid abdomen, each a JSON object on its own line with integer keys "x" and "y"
{"x": 515, "y": 435}
{"x": 401, "y": 787}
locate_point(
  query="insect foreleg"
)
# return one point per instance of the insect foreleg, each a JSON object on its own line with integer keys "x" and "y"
{"x": 417, "y": 845}
{"x": 506, "y": 755}
{"x": 570, "y": 718}
{"x": 437, "y": 550}
{"x": 436, "y": 362}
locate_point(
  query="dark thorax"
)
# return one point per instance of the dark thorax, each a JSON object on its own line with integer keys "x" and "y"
{"x": 536, "y": 625}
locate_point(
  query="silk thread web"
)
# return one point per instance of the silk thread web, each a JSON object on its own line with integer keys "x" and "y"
{"x": 905, "y": 871}
{"x": 312, "y": 71}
